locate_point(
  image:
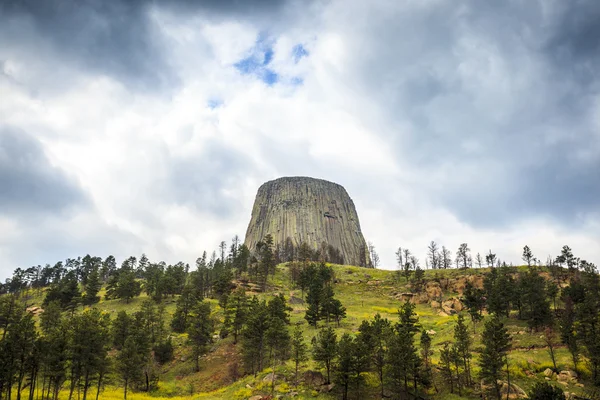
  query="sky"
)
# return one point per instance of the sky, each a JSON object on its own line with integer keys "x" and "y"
{"x": 130, "y": 127}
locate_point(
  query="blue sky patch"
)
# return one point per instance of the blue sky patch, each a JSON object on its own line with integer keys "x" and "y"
{"x": 214, "y": 103}
{"x": 259, "y": 58}
{"x": 299, "y": 52}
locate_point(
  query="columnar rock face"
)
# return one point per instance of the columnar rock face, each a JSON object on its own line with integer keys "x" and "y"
{"x": 307, "y": 210}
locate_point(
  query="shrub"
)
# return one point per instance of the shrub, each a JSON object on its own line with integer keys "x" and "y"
{"x": 545, "y": 391}
{"x": 242, "y": 393}
{"x": 163, "y": 352}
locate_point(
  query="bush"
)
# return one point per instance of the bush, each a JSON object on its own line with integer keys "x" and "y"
{"x": 163, "y": 352}
{"x": 545, "y": 391}
{"x": 242, "y": 393}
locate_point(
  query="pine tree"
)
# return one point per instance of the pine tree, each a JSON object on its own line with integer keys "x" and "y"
{"x": 376, "y": 336}
{"x": 567, "y": 331}
{"x": 313, "y": 300}
{"x": 403, "y": 360}
{"x": 236, "y": 312}
{"x": 446, "y": 366}
{"x": 253, "y": 335}
{"x": 426, "y": 351}
{"x": 127, "y": 286}
{"x": 473, "y": 299}
{"x": 128, "y": 363}
{"x": 496, "y": 342}
{"x": 299, "y": 350}
{"x": 185, "y": 303}
{"x": 345, "y": 363}
{"x": 462, "y": 255}
{"x": 92, "y": 287}
{"x": 527, "y": 255}
{"x": 325, "y": 349}
{"x": 200, "y": 330}
{"x": 463, "y": 342}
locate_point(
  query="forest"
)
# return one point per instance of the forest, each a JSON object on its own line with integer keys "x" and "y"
{"x": 297, "y": 325}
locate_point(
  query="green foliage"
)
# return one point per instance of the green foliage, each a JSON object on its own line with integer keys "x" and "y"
{"x": 299, "y": 350}
{"x": 200, "y": 330}
{"x": 545, "y": 391}
{"x": 474, "y": 300}
{"x": 163, "y": 351}
{"x": 325, "y": 349}
{"x": 496, "y": 342}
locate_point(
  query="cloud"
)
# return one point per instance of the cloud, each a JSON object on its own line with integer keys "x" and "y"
{"x": 118, "y": 38}
{"x": 207, "y": 181}
{"x": 30, "y": 183}
{"x": 455, "y": 121}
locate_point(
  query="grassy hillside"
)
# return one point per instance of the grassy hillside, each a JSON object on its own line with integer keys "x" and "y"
{"x": 364, "y": 293}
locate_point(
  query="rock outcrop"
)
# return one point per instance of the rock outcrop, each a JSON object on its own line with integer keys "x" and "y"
{"x": 310, "y": 211}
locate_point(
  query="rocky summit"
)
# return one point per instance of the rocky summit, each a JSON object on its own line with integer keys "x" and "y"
{"x": 300, "y": 210}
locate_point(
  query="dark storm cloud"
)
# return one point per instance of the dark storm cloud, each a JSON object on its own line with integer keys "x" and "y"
{"x": 574, "y": 46}
{"x": 207, "y": 180}
{"x": 28, "y": 182}
{"x": 116, "y": 38}
{"x": 498, "y": 98}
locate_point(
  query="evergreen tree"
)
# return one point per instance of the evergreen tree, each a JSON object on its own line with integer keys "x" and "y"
{"x": 254, "y": 335}
{"x": 325, "y": 349}
{"x": 376, "y": 335}
{"x": 185, "y": 303}
{"x": 462, "y": 341}
{"x": 535, "y": 298}
{"x": 567, "y": 331}
{"x": 121, "y": 329}
{"x": 496, "y": 342}
{"x": 462, "y": 255}
{"x": 426, "y": 351}
{"x": 446, "y": 361}
{"x": 527, "y": 256}
{"x": 89, "y": 340}
{"x": 313, "y": 300}
{"x": 200, "y": 330}
{"x": 92, "y": 287}
{"x": 345, "y": 363}
{"x": 128, "y": 363}
{"x": 299, "y": 350}
{"x": 54, "y": 348}
{"x": 473, "y": 299}
{"x": 127, "y": 285}
{"x": 236, "y": 312}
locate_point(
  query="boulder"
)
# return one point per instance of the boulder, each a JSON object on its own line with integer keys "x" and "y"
{"x": 433, "y": 290}
{"x": 269, "y": 377}
{"x": 548, "y": 372}
{"x": 435, "y": 304}
{"x": 420, "y": 298}
{"x": 515, "y": 392}
{"x": 313, "y": 378}
{"x": 567, "y": 377}
{"x": 327, "y": 388}
{"x": 256, "y": 397}
{"x": 431, "y": 332}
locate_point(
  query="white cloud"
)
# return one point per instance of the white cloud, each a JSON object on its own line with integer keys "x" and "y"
{"x": 403, "y": 109}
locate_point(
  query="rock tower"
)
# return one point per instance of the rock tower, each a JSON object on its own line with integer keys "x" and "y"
{"x": 310, "y": 211}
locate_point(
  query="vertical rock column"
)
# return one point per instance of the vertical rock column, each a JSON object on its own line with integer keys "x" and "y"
{"x": 307, "y": 210}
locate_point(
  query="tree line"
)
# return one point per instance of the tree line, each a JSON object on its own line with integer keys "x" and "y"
{"x": 83, "y": 349}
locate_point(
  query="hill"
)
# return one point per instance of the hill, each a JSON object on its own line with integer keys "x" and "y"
{"x": 364, "y": 293}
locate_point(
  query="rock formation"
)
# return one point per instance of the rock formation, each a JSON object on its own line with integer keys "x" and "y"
{"x": 310, "y": 211}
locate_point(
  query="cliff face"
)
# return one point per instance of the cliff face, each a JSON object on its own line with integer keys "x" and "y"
{"x": 307, "y": 210}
